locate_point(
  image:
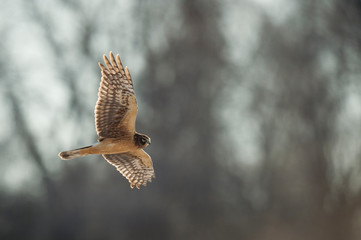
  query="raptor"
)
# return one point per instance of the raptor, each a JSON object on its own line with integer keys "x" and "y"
{"x": 115, "y": 115}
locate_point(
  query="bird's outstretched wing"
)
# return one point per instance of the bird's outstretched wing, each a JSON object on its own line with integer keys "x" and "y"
{"x": 136, "y": 166}
{"x": 116, "y": 109}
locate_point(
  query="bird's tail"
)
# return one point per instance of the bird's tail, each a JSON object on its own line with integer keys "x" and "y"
{"x": 79, "y": 152}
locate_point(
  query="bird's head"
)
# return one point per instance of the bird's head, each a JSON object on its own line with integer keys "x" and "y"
{"x": 142, "y": 140}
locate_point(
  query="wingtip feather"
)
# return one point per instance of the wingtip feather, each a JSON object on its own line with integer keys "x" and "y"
{"x": 127, "y": 73}
{"x": 102, "y": 66}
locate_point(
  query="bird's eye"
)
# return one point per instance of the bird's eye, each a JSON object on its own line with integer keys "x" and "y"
{"x": 143, "y": 140}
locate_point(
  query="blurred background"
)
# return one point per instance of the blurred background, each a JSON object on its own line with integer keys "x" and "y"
{"x": 253, "y": 107}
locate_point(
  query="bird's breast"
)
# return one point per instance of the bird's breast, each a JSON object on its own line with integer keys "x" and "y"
{"x": 111, "y": 146}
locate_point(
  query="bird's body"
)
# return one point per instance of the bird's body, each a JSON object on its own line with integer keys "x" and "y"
{"x": 115, "y": 115}
{"x": 105, "y": 146}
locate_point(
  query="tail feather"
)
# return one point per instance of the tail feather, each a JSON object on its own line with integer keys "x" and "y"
{"x": 79, "y": 152}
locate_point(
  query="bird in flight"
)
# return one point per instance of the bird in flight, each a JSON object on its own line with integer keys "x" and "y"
{"x": 115, "y": 114}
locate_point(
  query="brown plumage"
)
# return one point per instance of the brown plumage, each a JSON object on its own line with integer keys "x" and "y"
{"x": 115, "y": 114}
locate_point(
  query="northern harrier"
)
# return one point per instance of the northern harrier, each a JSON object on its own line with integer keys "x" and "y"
{"x": 115, "y": 115}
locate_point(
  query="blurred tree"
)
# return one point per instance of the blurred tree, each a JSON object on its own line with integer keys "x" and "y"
{"x": 180, "y": 85}
{"x": 299, "y": 105}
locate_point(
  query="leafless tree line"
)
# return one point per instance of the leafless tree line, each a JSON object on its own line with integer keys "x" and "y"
{"x": 299, "y": 78}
